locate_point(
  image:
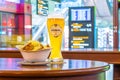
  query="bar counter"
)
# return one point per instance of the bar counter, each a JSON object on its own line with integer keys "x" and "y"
{"x": 11, "y": 69}
{"x": 112, "y": 57}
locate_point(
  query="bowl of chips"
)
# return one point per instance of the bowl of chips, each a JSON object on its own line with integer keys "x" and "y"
{"x": 34, "y": 51}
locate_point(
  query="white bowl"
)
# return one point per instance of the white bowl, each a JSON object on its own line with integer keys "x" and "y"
{"x": 35, "y": 56}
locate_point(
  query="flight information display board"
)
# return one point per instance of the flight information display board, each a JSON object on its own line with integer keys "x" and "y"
{"x": 42, "y": 7}
{"x": 81, "y": 27}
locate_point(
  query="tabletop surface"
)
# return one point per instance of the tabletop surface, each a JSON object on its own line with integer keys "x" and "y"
{"x": 13, "y": 64}
{"x": 11, "y": 67}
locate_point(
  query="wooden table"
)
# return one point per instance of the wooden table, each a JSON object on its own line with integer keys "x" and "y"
{"x": 72, "y": 69}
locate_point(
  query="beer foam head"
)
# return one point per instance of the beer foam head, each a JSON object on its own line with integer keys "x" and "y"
{"x": 56, "y": 15}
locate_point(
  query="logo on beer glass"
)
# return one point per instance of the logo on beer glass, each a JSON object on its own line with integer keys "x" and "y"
{"x": 56, "y": 30}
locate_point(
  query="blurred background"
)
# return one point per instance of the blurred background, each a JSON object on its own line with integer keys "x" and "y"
{"x": 22, "y": 20}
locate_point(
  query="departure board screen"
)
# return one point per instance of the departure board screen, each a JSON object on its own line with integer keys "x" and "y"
{"x": 81, "y": 27}
{"x": 85, "y": 14}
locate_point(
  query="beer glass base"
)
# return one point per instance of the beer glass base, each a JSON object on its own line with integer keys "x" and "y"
{"x": 56, "y": 60}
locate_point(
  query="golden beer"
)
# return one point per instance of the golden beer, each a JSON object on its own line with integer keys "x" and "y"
{"x": 55, "y": 27}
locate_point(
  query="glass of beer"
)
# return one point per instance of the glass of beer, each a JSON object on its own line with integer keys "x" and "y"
{"x": 55, "y": 26}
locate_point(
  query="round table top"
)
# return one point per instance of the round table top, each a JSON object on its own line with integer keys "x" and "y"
{"x": 70, "y": 67}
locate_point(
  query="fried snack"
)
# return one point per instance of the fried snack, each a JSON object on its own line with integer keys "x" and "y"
{"x": 33, "y": 45}
{"x": 46, "y": 46}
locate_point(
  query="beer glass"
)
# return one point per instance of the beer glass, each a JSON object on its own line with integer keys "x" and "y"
{"x": 55, "y": 26}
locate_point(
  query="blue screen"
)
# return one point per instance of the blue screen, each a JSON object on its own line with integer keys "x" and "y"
{"x": 81, "y": 14}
